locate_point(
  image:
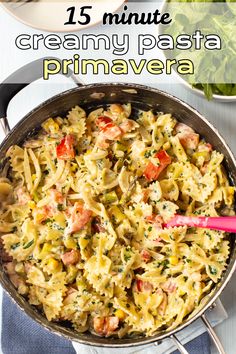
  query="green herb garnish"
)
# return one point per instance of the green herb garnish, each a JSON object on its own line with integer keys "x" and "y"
{"x": 60, "y": 207}
{"x": 27, "y": 245}
{"x": 213, "y": 270}
{"x": 16, "y": 245}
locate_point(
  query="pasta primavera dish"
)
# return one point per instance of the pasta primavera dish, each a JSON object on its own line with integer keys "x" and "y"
{"x": 83, "y": 208}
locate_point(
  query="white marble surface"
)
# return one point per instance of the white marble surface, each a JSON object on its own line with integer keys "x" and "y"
{"x": 223, "y": 118}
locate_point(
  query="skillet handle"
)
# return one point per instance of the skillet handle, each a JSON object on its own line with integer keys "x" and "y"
{"x": 178, "y": 344}
{"x": 213, "y": 335}
{"x": 211, "y": 332}
{"x": 19, "y": 80}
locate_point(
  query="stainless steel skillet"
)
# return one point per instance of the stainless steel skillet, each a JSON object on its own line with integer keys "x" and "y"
{"x": 89, "y": 97}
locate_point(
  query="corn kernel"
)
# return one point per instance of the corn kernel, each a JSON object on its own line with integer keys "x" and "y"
{"x": 88, "y": 152}
{"x": 53, "y": 265}
{"x": 47, "y": 248}
{"x": 73, "y": 167}
{"x": 174, "y": 260}
{"x": 31, "y": 204}
{"x": 71, "y": 273}
{"x": 166, "y": 146}
{"x": 120, "y": 314}
{"x": 60, "y": 219}
{"x": 70, "y": 243}
{"x": 181, "y": 292}
{"x": 39, "y": 216}
{"x": 83, "y": 242}
{"x": 117, "y": 214}
{"x": 53, "y": 235}
{"x": 50, "y": 126}
{"x": 120, "y": 147}
{"x": 132, "y": 168}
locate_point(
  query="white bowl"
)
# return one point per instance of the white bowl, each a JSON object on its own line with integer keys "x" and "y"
{"x": 50, "y": 15}
{"x": 219, "y": 98}
{"x": 216, "y": 97}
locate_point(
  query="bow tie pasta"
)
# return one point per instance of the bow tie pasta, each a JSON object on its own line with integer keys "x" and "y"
{"x": 82, "y": 212}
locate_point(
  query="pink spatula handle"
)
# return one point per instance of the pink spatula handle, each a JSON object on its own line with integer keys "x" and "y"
{"x": 224, "y": 223}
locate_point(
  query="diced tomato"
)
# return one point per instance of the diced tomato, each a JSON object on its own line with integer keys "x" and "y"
{"x": 152, "y": 171}
{"x": 65, "y": 149}
{"x": 145, "y": 255}
{"x": 105, "y": 325}
{"x": 79, "y": 218}
{"x": 71, "y": 257}
{"x": 109, "y": 130}
{"x": 102, "y": 121}
{"x": 163, "y": 157}
{"x": 143, "y": 285}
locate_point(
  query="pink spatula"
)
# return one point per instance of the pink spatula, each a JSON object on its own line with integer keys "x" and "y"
{"x": 224, "y": 223}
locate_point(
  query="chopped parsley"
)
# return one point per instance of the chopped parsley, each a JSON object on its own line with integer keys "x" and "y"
{"x": 148, "y": 154}
{"x": 127, "y": 257}
{"x": 16, "y": 245}
{"x": 213, "y": 270}
{"x": 27, "y": 245}
{"x": 47, "y": 221}
{"x": 60, "y": 207}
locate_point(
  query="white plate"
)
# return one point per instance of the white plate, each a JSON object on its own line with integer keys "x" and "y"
{"x": 51, "y": 15}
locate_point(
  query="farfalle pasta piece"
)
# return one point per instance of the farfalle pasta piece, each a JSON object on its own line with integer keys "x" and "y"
{"x": 169, "y": 189}
{"x": 166, "y": 209}
{"x": 20, "y": 247}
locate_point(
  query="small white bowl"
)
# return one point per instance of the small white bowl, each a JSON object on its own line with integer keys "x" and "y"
{"x": 50, "y": 15}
